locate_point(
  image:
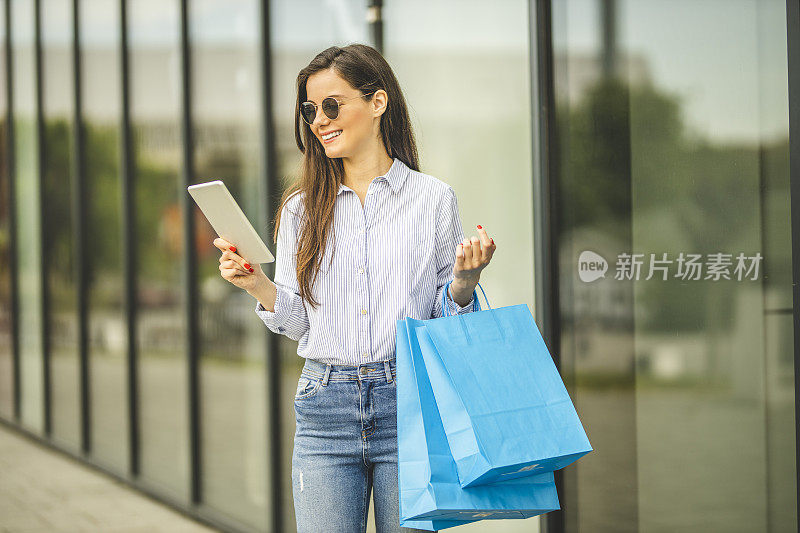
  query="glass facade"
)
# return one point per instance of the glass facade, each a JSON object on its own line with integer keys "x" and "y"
{"x": 156, "y": 146}
{"x": 102, "y": 111}
{"x": 58, "y": 218}
{"x": 487, "y": 51}
{"x": 28, "y": 207}
{"x": 673, "y": 157}
{"x": 653, "y": 136}
{"x": 226, "y": 104}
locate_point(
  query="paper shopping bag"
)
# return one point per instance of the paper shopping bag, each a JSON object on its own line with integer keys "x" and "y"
{"x": 503, "y": 405}
{"x": 431, "y": 497}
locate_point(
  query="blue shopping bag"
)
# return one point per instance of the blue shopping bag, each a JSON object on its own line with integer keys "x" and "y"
{"x": 431, "y": 497}
{"x": 503, "y": 405}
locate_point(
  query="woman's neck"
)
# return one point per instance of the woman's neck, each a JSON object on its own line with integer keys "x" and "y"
{"x": 360, "y": 170}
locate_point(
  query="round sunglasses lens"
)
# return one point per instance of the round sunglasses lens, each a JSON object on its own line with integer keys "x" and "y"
{"x": 308, "y": 111}
{"x": 330, "y": 107}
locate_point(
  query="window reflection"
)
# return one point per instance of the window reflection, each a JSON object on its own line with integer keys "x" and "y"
{"x": 155, "y": 101}
{"x": 100, "y": 78}
{"x": 673, "y": 140}
{"x": 465, "y": 73}
{"x": 59, "y": 246}
{"x": 28, "y": 212}
{"x": 226, "y": 100}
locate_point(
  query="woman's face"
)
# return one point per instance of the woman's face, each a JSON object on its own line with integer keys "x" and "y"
{"x": 358, "y": 123}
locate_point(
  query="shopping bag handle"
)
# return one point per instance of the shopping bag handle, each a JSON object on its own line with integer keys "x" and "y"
{"x": 476, "y": 303}
{"x": 476, "y": 307}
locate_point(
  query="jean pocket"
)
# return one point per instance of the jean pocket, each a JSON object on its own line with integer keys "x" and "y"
{"x": 306, "y": 387}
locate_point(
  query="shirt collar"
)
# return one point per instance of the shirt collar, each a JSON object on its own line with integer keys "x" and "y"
{"x": 395, "y": 177}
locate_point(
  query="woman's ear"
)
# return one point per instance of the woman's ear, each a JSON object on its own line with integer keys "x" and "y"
{"x": 379, "y": 102}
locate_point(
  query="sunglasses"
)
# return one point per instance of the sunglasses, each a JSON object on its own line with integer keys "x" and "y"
{"x": 330, "y": 106}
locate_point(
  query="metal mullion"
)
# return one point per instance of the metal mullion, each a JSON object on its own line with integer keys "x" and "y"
{"x": 793, "y": 55}
{"x": 375, "y": 23}
{"x": 191, "y": 300}
{"x": 128, "y": 208}
{"x": 545, "y": 200}
{"x": 271, "y": 184}
{"x": 80, "y": 225}
{"x": 12, "y": 218}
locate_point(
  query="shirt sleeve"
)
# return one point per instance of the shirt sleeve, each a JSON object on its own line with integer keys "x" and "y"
{"x": 290, "y": 317}
{"x": 449, "y": 233}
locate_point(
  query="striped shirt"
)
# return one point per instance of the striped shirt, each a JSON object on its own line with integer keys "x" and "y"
{"x": 392, "y": 258}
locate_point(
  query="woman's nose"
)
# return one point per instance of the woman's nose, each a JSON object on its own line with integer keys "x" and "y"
{"x": 321, "y": 119}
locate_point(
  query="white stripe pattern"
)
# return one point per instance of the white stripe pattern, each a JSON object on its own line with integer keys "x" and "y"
{"x": 392, "y": 258}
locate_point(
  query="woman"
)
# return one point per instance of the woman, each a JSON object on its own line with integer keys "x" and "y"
{"x": 378, "y": 240}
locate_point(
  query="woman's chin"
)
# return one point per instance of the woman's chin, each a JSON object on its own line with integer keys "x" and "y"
{"x": 332, "y": 152}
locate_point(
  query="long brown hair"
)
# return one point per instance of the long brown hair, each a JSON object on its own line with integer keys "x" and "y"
{"x": 365, "y": 69}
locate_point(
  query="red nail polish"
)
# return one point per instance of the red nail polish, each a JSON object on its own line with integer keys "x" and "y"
{"x": 247, "y": 266}
{"x": 251, "y": 270}
{"x": 479, "y": 226}
{"x": 233, "y": 249}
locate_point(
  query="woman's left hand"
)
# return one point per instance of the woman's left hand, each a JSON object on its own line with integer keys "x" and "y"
{"x": 472, "y": 256}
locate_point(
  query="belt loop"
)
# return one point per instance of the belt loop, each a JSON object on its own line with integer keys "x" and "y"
{"x": 327, "y": 373}
{"x": 388, "y": 370}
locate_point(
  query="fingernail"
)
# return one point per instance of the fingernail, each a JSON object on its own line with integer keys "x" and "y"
{"x": 233, "y": 249}
{"x": 251, "y": 270}
{"x": 247, "y": 266}
{"x": 479, "y": 226}
{"x": 492, "y": 241}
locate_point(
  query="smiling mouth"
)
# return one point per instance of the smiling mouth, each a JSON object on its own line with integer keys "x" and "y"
{"x": 332, "y": 135}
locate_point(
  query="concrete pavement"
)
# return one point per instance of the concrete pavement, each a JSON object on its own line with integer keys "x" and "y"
{"x": 42, "y": 490}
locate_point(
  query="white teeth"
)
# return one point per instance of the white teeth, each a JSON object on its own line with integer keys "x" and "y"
{"x": 331, "y": 135}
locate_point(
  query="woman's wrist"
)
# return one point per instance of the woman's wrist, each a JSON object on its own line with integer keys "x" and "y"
{"x": 266, "y": 292}
{"x": 461, "y": 290}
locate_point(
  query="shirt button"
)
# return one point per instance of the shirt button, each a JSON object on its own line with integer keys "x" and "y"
{"x": 365, "y": 354}
{"x": 360, "y": 270}
{"x": 363, "y": 311}
{"x": 361, "y": 231}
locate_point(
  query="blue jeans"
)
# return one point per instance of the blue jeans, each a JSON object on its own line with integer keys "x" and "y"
{"x": 346, "y": 444}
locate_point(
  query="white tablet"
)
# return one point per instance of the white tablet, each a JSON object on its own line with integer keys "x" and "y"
{"x": 229, "y": 221}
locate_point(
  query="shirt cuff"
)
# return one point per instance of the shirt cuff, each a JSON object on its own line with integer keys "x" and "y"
{"x": 276, "y": 318}
{"x": 457, "y": 309}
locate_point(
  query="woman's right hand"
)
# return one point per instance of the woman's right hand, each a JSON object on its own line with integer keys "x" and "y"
{"x": 235, "y": 269}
